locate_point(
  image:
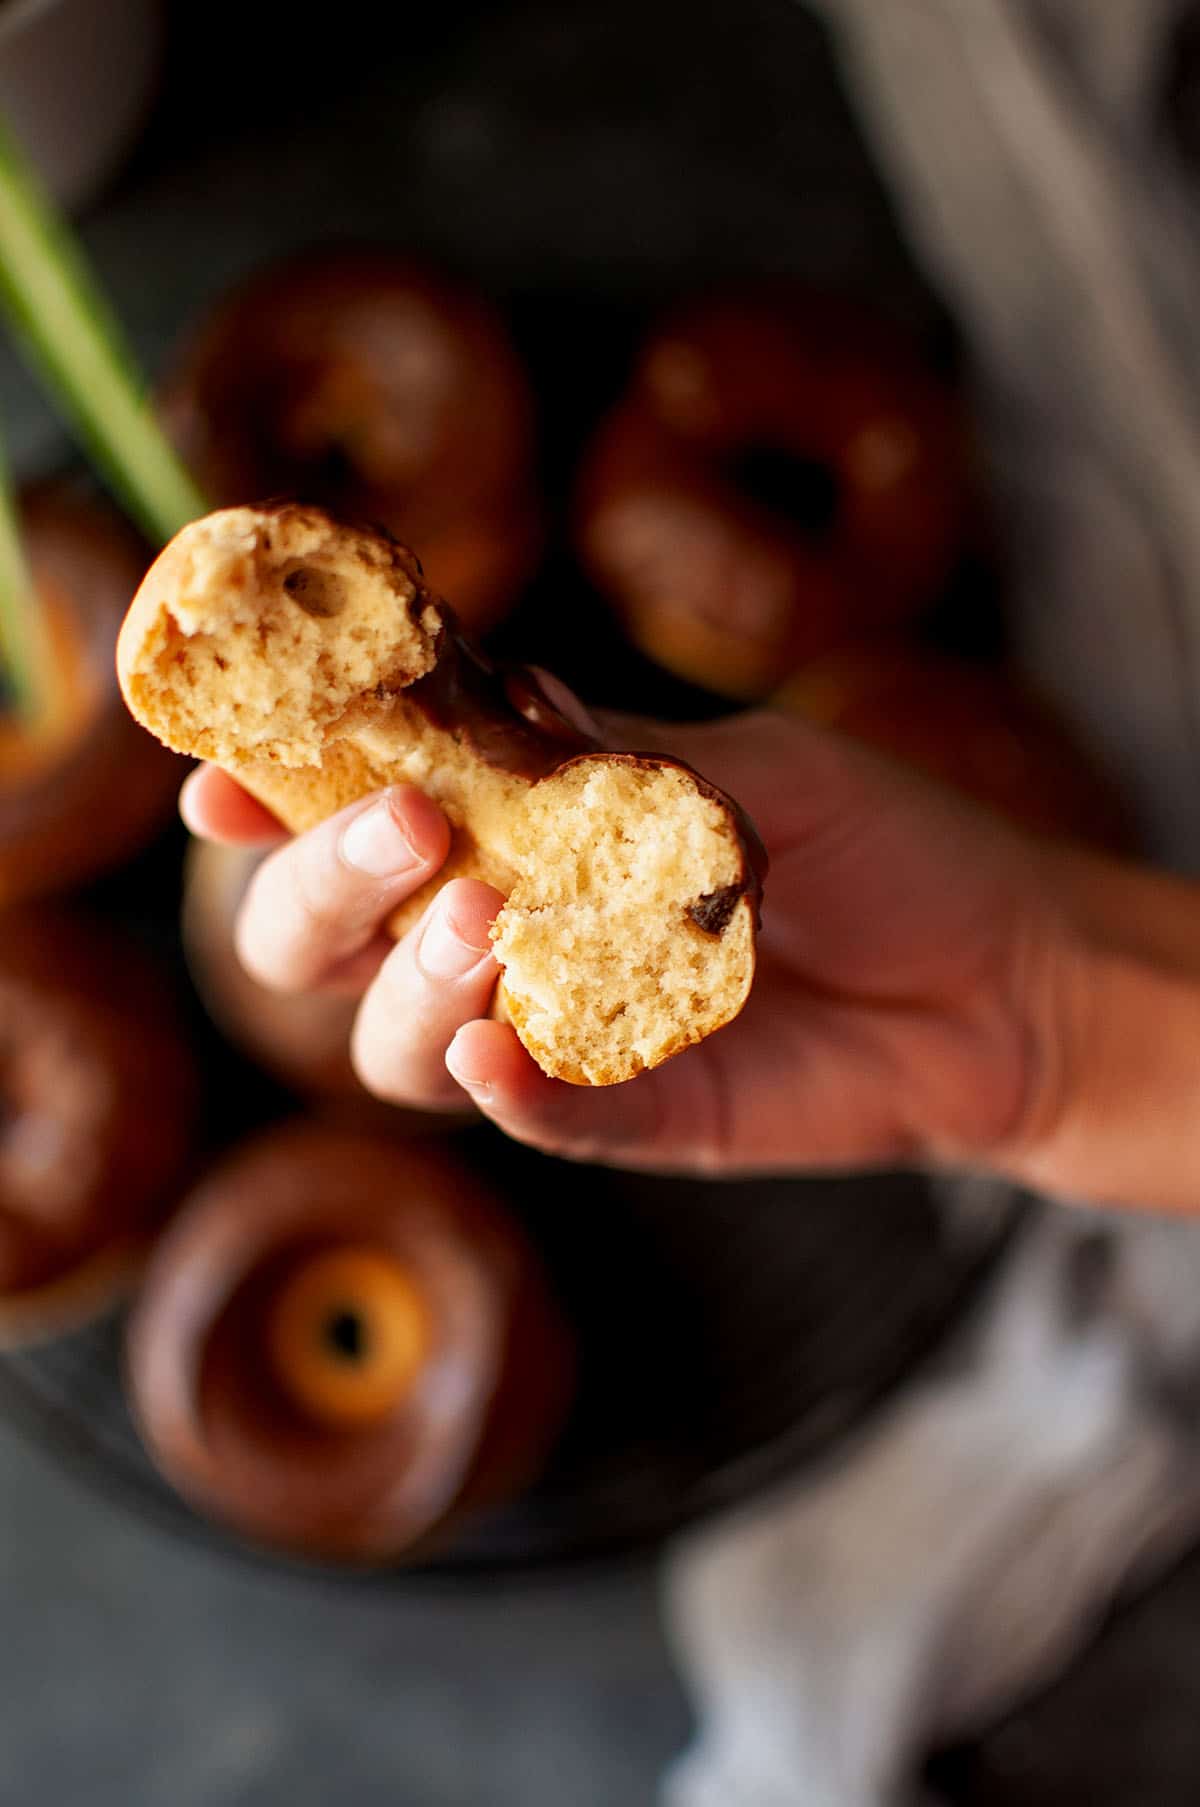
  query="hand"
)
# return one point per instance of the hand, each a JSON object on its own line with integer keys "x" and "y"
{"x": 901, "y": 1011}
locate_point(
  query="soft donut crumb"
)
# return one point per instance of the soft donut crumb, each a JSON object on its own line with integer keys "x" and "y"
{"x": 606, "y": 970}
{"x": 265, "y": 628}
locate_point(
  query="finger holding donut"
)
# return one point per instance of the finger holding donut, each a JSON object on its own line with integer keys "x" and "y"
{"x": 441, "y": 975}
{"x": 321, "y": 900}
{"x": 216, "y": 808}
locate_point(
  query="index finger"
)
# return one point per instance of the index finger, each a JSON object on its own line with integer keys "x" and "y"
{"x": 215, "y": 807}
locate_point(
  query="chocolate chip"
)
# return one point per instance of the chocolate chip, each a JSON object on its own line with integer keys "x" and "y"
{"x": 713, "y": 911}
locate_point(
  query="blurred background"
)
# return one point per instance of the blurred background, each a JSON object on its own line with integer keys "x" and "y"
{"x": 635, "y": 319}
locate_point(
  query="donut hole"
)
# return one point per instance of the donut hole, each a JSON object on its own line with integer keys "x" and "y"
{"x": 346, "y": 1334}
{"x": 602, "y": 951}
{"x": 803, "y": 491}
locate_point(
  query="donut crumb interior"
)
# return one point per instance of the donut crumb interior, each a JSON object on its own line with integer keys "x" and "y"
{"x": 266, "y": 636}
{"x": 603, "y": 961}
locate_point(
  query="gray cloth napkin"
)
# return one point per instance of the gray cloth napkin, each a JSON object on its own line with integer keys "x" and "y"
{"x": 966, "y": 1545}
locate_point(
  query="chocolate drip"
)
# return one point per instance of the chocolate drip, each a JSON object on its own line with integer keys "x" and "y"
{"x": 501, "y": 710}
{"x": 511, "y": 723}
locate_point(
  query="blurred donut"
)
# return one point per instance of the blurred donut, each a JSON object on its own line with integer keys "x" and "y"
{"x": 782, "y": 475}
{"x": 79, "y": 795}
{"x": 386, "y": 393}
{"x": 343, "y": 1344}
{"x": 301, "y": 1038}
{"x": 97, "y": 1100}
{"x": 968, "y": 727}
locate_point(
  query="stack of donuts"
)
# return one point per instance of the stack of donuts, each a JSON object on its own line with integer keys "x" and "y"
{"x": 341, "y": 1338}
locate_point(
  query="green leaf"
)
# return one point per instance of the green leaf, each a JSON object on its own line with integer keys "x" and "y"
{"x": 27, "y": 669}
{"x": 72, "y": 337}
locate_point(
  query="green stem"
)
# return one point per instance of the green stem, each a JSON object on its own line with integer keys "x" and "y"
{"x": 69, "y": 332}
{"x": 26, "y": 664}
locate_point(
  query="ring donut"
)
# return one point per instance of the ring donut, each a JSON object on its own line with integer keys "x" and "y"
{"x": 781, "y": 476}
{"x": 302, "y": 1038}
{"x": 380, "y": 389}
{"x": 81, "y": 792}
{"x": 97, "y": 1098}
{"x": 342, "y": 1344}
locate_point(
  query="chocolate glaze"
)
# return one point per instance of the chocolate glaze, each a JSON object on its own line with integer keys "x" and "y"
{"x": 502, "y": 711}
{"x": 511, "y": 723}
{"x": 380, "y": 389}
{"x": 228, "y": 1435}
{"x": 782, "y": 474}
{"x": 104, "y": 787}
{"x": 96, "y": 1098}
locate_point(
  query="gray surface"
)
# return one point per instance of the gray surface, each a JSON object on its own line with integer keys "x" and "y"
{"x": 139, "y": 1672}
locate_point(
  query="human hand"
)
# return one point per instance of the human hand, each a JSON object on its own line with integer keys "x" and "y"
{"x": 902, "y": 1011}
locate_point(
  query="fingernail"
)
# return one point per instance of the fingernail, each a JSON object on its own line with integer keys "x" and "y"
{"x": 444, "y": 953}
{"x": 376, "y": 844}
{"x": 479, "y": 1089}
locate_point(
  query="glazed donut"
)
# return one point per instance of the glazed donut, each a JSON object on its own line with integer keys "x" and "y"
{"x": 77, "y": 796}
{"x": 969, "y": 727}
{"x": 781, "y": 476}
{"x": 383, "y": 391}
{"x": 309, "y": 660}
{"x": 97, "y": 1099}
{"x": 302, "y": 1038}
{"x": 342, "y": 1344}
